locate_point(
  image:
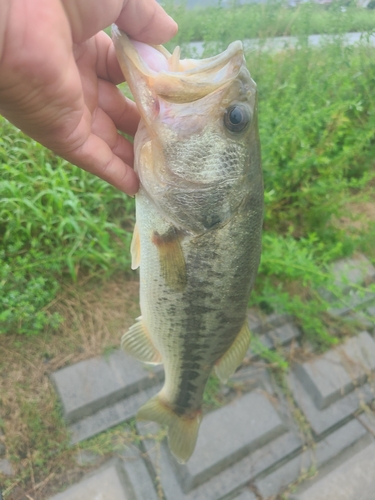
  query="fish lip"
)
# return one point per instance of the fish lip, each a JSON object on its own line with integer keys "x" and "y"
{"x": 209, "y": 66}
{"x": 122, "y": 42}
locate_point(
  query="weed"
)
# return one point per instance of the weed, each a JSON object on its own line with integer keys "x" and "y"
{"x": 268, "y": 19}
{"x": 55, "y": 220}
{"x": 59, "y": 224}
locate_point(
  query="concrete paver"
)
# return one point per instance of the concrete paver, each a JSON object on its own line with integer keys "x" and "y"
{"x": 104, "y": 485}
{"x": 232, "y": 478}
{"x": 93, "y": 384}
{"x": 235, "y": 444}
{"x": 244, "y": 442}
{"x": 137, "y": 475}
{"x": 230, "y": 433}
{"x": 329, "y": 377}
{"x": 245, "y": 495}
{"x": 325, "y": 451}
{"x": 353, "y": 270}
{"x": 353, "y": 480}
{"x": 323, "y": 420}
{"x": 111, "y": 415}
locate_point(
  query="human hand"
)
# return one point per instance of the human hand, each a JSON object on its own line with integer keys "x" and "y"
{"x": 58, "y": 76}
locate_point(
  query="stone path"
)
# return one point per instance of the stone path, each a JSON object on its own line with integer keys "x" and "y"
{"x": 259, "y": 443}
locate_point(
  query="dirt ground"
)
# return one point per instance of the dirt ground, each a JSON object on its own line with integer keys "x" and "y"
{"x": 95, "y": 314}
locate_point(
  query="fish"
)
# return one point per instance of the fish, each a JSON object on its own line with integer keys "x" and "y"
{"x": 199, "y": 213}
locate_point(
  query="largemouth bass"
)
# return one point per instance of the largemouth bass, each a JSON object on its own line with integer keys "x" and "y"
{"x": 199, "y": 214}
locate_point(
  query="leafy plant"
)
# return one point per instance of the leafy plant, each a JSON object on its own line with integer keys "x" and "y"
{"x": 265, "y": 20}
{"x": 55, "y": 220}
{"x": 317, "y": 122}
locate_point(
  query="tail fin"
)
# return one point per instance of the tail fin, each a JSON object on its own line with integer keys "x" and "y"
{"x": 182, "y": 430}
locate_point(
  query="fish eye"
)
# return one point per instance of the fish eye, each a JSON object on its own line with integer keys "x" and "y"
{"x": 236, "y": 118}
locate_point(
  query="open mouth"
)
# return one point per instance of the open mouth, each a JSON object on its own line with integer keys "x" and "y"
{"x": 170, "y": 77}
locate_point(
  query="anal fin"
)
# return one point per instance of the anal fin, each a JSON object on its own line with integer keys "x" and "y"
{"x": 182, "y": 429}
{"x": 137, "y": 342}
{"x": 228, "y": 363}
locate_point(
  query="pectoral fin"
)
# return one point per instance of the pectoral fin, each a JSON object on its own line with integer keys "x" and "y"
{"x": 171, "y": 258}
{"x": 228, "y": 363}
{"x": 137, "y": 342}
{"x": 135, "y": 248}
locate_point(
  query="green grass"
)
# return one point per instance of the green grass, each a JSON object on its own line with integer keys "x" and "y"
{"x": 267, "y": 20}
{"x": 55, "y": 220}
{"x": 317, "y": 128}
{"x": 317, "y": 123}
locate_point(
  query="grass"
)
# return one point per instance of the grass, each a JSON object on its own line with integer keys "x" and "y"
{"x": 55, "y": 220}
{"x": 65, "y": 294}
{"x": 37, "y": 441}
{"x": 269, "y": 19}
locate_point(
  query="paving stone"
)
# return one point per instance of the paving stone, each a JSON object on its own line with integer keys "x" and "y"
{"x": 251, "y": 377}
{"x": 88, "y": 386}
{"x": 138, "y": 474}
{"x": 322, "y": 420}
{"x": 326, "y": 450}
{"x": 228, "y": 434}
{"x": 363, "y": 318}
{"x": 259, "y": 323}
{"x": 86, "y": 457}
{"x": 354, "y": 270}
{"x": 105, "y": 484}
{"x": 275, "y": 337}
{"x": 230, "y": 479}
{"x": 235, "y": 443}
{"x": 110, "y": 416}
{"x": 368, "y": 421}
{"x": 329, "y": 377}
{"x": 353, "y": 300}
{"x": 255, "y": 320}
{"x": 6, "y": 467}
{"x": 283, "y": 335}
{"x": 245, "y": 495}
{"x": 324, "y": 378}
{"x": 353, "y": 480}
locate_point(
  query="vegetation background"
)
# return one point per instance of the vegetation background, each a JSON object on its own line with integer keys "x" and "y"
{"x": 65, "y": 235}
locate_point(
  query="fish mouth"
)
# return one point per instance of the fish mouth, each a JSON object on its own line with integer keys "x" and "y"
{"x": 152, "y": 72}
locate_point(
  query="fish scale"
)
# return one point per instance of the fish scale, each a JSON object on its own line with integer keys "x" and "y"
{"x": 199, "y": 214}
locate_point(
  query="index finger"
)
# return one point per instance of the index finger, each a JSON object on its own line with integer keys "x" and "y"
{"x": 144, "y": 20}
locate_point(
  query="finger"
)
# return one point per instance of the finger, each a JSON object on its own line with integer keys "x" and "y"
{"x": 87, "y": 17}
{"x": 103, "y": 127}
{"x": 122, "y": 111}
{"x": 107, "y": 65}
{"x": 95, "y": 156}
{"x": 146, "y": 20}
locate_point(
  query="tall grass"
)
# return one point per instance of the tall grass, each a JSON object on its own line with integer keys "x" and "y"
{"x": 317, "y": 123}
{"x": 317, "y": 128}
{"x": 270, "y": 19}
{"x": 55, "y": 219}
